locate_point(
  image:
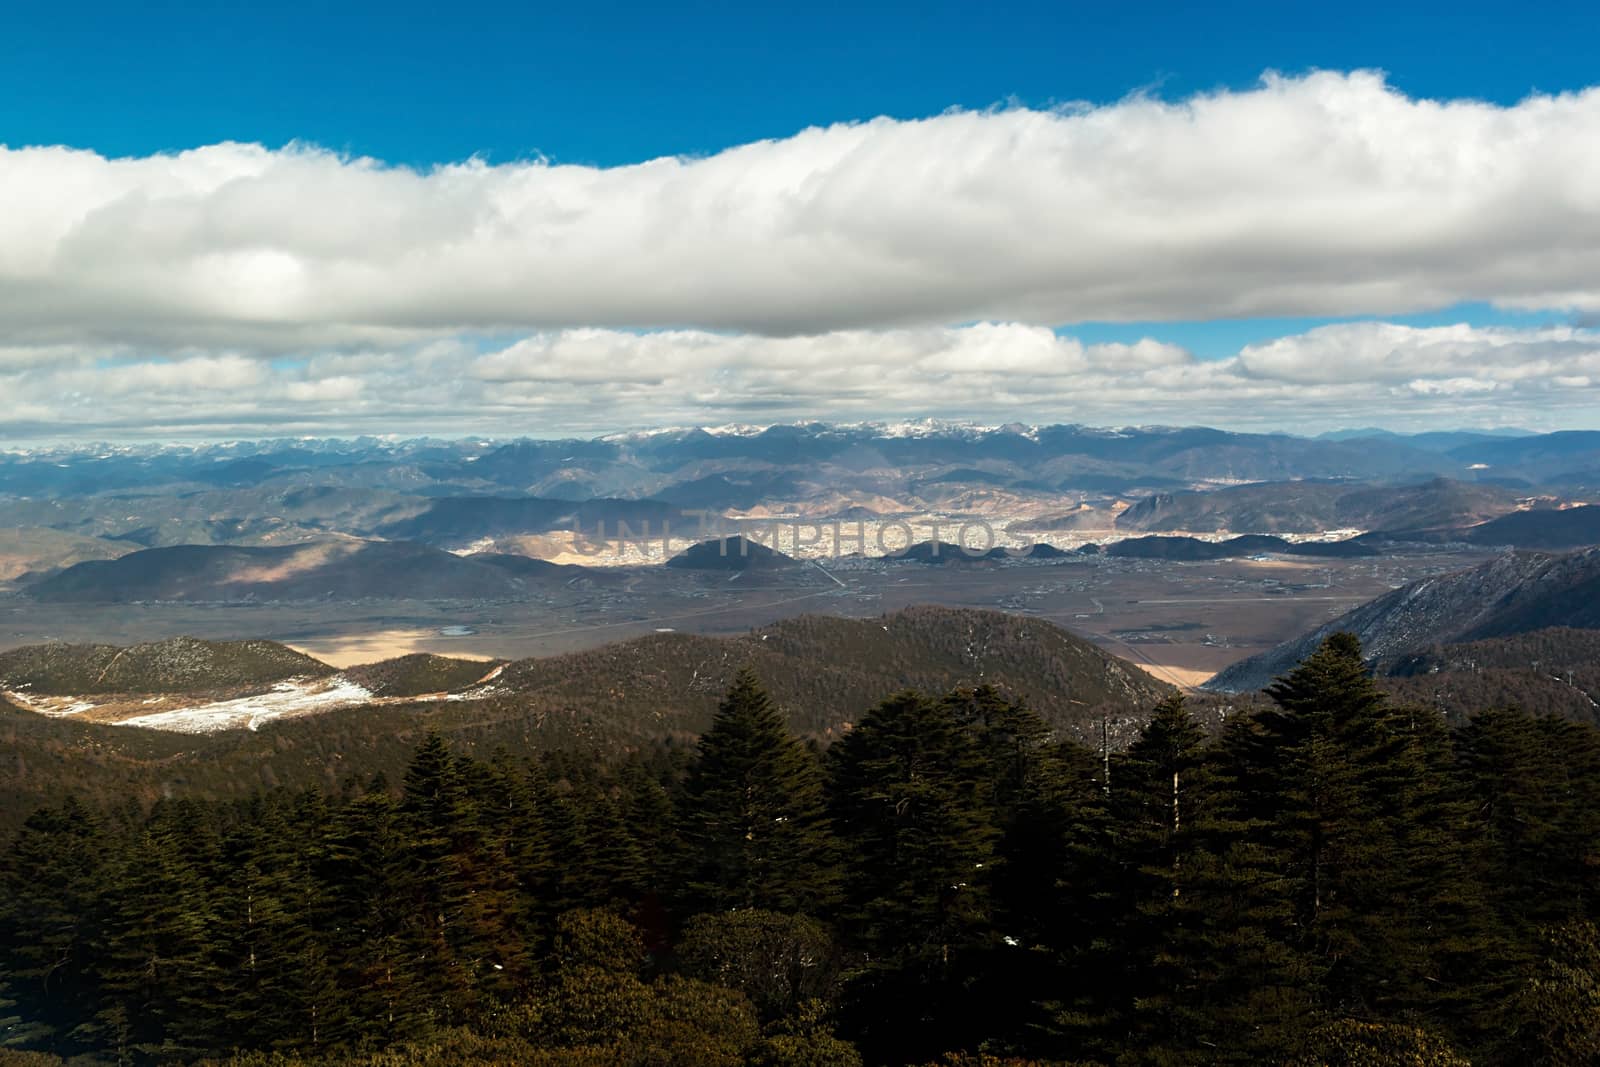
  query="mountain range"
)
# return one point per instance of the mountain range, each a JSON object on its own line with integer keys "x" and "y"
{"x": 65, "y": 505}
{"x": 692, "y": 468}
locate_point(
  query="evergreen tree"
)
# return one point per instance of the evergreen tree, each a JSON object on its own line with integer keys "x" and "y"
{"x": 276, "y": 989}
{"x": 370, "y": 919}
{"x": 911, "y": 801}
{"x": 157, "y": 965}
{"x": 1303, "y": 846}
{"x": 1159, "y": 945}
{"x": 1556, "y": 1013}
{"x": 1535, "y": 784}
{"x": 461, "y": 891}
{"x": 608, "y": 868}
{"x": 51, "y": 920}
{"x": 752, "y": 817}
{"x": 515, "y": 808}
{"x": 1040, "y": 982}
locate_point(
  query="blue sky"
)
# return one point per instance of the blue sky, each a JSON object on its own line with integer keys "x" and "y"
{"x": 603, "y": 86}
{"x": 610, "y": 83}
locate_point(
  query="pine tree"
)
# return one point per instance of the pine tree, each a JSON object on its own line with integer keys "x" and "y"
{"x": 51, "y": 920}
{"x": 370, "y": 919}
{"x": 276, "y": 989}
{"x": 1536, "y": 787}
{"x": 1159, "y": 819}
{"x": 158, "y": 965}
{"x": 910, "y": 794}
{"x": 608, "y": 869}
{"x": 752, "y": 817}
{"x": 1334, "y": 885}
{"x": 461, "y": 893}
{"x": 1449, "y": 956}
{"x": 1040, "y": 982}
{"x": 1299, "y": 846}
{"x": 645, "y": 807}
{"x": 514, "y": 809}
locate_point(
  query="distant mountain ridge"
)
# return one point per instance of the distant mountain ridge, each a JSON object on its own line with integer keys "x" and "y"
{"x": 694, "y": 467}
{"x": 1309, "y": 506}
{"x": 1512, "y": 594}
{"x": 1195, "y": 549}
{"x": 333, "y": 569}
{"x": 533, "y": 495}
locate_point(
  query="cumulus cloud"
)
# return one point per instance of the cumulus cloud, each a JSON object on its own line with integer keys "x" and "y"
{"x": 1326, "y": 195}
{"x": 594, "y": 380}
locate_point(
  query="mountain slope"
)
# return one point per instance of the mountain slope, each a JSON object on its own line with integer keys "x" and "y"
{"x": 39, "y": 549}
{"x": 460, "y": 521}
{"x": 1309, "y": 506}
{"x": 1543, "y": 528}
{"x": 1194, "y": 549}
{"x": 824, "y": 671}
{"x": 1554, "y": 670}
{"x": 176, "y": 665}
{"x": 1515, "y": 593}
{"x": 734, "y": 553}
{"x": 333, "y": 569}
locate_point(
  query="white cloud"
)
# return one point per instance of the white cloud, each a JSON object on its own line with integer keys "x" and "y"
{"x": 596, "y": 380}
{"x": 1331, "y": 194}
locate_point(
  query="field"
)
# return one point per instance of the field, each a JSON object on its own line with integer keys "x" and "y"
{"x": 1180, "y": 621}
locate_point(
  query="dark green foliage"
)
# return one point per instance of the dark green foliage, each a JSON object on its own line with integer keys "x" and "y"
{"x": 1161, "y": 812}
{"x": 418, "y": 673}
{"x": 751, "y": 815}
{"x": 911, "y": 804}
{"x": 1333, "y": 879}
{"x": 821, "y": 673}
{"x": 781, "y": 962}
{"x": 176, "y": 665}
{"x": 1535, "y": 784}
{"x": 51, "y": 892}
{"x": 1351, "y": 1043}
{"x": 1557, "y": 1011}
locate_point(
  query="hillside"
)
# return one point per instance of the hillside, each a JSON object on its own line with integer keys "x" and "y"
{"x": 25, "y": 550}
{"x": 1544, "y": 528}
{"x": 1516, "y": 593}
{"x": 822, "y": 672}
{"x": 1194, "y": 549}
{"x": 1311, "y": 506}
{"x": 463, "y": 520}
{"x": 734, "y": 553}
{"x": 1555, "y": 670}
{"x": 418, "y": 673}
{"x": 258, "y": 515}
{"x": 180, "y": 664}
{"x": 333, "y": 570}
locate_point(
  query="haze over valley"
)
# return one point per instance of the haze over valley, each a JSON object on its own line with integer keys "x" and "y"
{"x": 1182, "y": 549}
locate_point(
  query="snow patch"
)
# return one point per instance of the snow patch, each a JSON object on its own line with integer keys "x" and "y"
{"x": 284, "y": 700}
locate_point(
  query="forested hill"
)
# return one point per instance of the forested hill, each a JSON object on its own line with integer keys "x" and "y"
{"x": 1516, "y": 593}
{"x": 1333, "y": 879}
{"x": 178, "y": 664}
{"x": 823, "y": 672}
